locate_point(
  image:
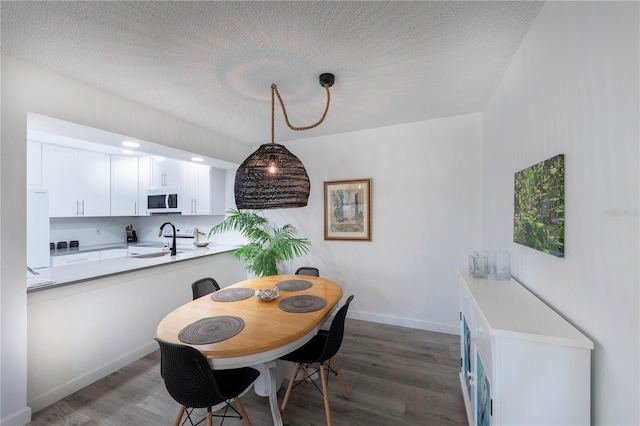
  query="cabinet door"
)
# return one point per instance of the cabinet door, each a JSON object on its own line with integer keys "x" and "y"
{"x": 124, "y": 186}
{"x": 34, "y": 164}
{"x": 78, "y": 182}
{"x": 166, "y": 172}
{"x": 483, "y": 394}
{"x": 196, "y": 191}
{"x": 466, "y": 354}
{"x": 218, "y": 191}
{"x": 94, "y": 183}
{"x": 144, "y": 182}
{"x": 60, "y": 177}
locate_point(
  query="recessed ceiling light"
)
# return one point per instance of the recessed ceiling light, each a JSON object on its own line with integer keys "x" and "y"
{"x": 197, "y": 159}
{"x": 131, "y": 144}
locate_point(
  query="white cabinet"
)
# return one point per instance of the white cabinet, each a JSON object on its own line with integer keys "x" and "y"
{"x": 34, "y": 164}
{"x": 37, "y": 227}
{"x": 218, "y": 191}
{"x": 165, "y": 172}
{"x": 521, "y": 362}
{"x": 124, "y": 186}
{"x": 144, "y": 182}
{"x": 197, "y": 189}
{"x": 78, "y": 182}
{"x": 75, "y": 258}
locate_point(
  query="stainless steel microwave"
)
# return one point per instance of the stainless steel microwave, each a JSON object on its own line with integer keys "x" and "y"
{"x": 166, "y": 199}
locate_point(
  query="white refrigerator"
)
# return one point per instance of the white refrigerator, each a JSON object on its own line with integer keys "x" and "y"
{"x": 37, "y": 228}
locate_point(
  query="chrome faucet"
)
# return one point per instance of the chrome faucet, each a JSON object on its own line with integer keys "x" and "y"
{"x": 173, "y": 242}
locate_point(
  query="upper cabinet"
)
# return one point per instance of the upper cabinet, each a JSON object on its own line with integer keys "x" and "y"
{"x": 78, "y": 182}
{"x": 86, "y": 183}
{"x": 34, "y": 164}
{"x": 196, "y": 197}
{"x": 202, "y": 190}
{"x": 124, "y": 186}
{"x": 166, "y": 172}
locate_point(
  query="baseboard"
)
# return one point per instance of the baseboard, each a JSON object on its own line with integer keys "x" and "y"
{"x": 19, "y": 418}
{"x": 41, "y": 401}
{"x": 406, "y": 322}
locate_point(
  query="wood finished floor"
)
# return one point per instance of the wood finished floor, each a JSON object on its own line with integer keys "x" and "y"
{"x": 395, "y": 375}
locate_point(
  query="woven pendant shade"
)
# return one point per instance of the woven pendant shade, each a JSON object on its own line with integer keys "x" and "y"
{"x": 271, "y": 178}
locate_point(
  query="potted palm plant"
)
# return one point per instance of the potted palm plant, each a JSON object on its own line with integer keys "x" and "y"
{"x": 267, "y": 245}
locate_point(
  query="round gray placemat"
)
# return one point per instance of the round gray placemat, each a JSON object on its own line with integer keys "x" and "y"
{"x": 294, "y": 285}
{"x": 232, "y": 294}
{"x": 211, "y": 330}
{"x": 302, "y": 303}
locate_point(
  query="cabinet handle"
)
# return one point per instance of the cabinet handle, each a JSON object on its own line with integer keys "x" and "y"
{"x": 82, "y": 207}
{"x": 84, "y": 259}
{"x": 135, "y": 208}
{"x": 77, "y": 208}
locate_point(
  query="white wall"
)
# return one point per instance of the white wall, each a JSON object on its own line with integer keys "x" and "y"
{"x": 26, "y": 88}
{"x": 573, "y": 89}
{"x": 78, "y": 334}
{"x": 426, "y": 204}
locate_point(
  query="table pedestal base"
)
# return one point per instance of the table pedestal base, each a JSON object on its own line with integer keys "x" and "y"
{"x": 268, "y": 384}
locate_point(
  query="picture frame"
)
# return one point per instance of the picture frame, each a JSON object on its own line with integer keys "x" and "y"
{"x": 538, "y": 206}
{"x": 347, "y": 210}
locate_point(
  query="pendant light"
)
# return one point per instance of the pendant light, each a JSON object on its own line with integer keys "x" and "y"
{"x": 272, "y": 177}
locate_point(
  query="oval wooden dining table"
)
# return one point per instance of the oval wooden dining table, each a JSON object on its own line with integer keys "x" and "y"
{"x": 269, "y": 332}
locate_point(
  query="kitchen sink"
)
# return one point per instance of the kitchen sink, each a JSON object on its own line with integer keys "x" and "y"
{"x": 152, "y": 254}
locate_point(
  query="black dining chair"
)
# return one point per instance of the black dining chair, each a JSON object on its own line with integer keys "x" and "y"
{"x": 308, "y": 270}
{"x": 192, "y": 383}
{"x": 322, "y": 349}
{"x": 204, "y": 286}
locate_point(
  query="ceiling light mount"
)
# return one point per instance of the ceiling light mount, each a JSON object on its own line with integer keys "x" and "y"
{"x": 272, "y": 177}
{"x": 327, "y": 79}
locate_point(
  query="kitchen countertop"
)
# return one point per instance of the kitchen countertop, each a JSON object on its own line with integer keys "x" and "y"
{"x": 70, "y": 274}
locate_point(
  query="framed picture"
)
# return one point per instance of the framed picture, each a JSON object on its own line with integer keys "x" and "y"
{"x": 347, "y": 210}
{"x": 538, "y": 206}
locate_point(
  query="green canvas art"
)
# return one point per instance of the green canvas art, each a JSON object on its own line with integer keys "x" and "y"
{"x": 538, "y": 206}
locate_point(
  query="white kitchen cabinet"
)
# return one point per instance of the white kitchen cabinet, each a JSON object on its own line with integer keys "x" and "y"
{"x": 78, "y": 182}
{"x": 196, "y": 189}
{"x": 37, "y": 227}
{"x": 124, "y": 186}
{"x": 166, "y": 172}
{"x": 34, "y": 164}
{"x": 218, "y": 191}
{"x": 75, "y": 258}
{"x": 521, "y": 362}
{"x": 144, "y": 182}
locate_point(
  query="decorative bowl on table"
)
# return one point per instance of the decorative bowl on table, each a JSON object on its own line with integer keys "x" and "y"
{"x": 201, "y": 243}
{"x": 266, "y": 294}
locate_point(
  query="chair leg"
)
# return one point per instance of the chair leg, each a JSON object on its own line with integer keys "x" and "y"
{"x": 336, "y": 367}
{"x": 325, "y": 392}
{"x": 209, "y": 417}
{"x": 243, "y": 413}
{"x": 180, "y": 414}
{"x": 288, "y": 393}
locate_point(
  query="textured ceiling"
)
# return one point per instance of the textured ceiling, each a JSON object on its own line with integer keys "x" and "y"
{"x": 212, "y": 63}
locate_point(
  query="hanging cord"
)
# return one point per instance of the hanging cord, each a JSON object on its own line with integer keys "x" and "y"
{"x": 274, "y": 89}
